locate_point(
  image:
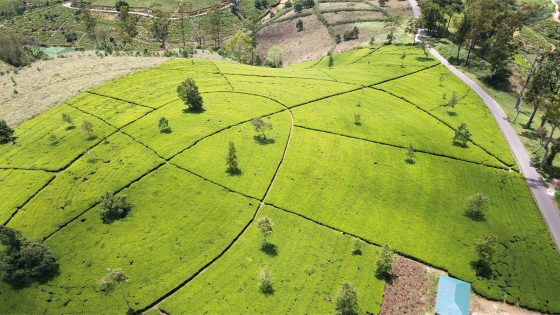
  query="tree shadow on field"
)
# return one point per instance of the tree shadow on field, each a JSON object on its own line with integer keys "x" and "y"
{"x": 482, "y": 269}
{"x": 270, "y": 249}
{"x": 234, "y": 171}
{"x": 410, "y": 161}
{"x": 262, "y": 140}
{"x": 479, "y": 217}
{"x": 26, "y": 283}
{"x": 387, "y": 277}
{"x": 194, "y": 111}
{"x": 91, "y": 138}
{"x": 530, "y": 134}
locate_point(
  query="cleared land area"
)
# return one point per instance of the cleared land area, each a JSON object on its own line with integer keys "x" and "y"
{"x": 45, "y": 84}
{"x": 335, "y": 167}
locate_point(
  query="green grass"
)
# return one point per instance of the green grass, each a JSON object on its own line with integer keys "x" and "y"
{"x": 187, "y": 211}
{"x": 114, "y": 112}
{"x": 221, "y": 111}
{"x": 47, "y": 142}
{"x": 369, "y": 190}
{"x": 308, "y": 267}
{"x": 470, "y": 110}
{"x": 106, "y": 168}
{"x": 257, "y": 160}
{"x": 16, "y": 186}
{"x": 386, "y": 119}
{"x": 171, "y": 231}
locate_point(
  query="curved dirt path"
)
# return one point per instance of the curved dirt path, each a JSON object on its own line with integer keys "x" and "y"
{"x": 545, "y": 204}
{"x": 200, "y": 12}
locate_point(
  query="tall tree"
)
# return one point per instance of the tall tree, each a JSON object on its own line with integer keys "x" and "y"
{"x": 128, "y": 29}
{"x": 182, "y": 10}
{"x": 347, "y": 299}
{"x": 392, "y": 22}
{"x": 546, "y": 80}
{"x": 84, "y": 14}
{"x": 160, "y": 26}
{"x": 216, "y": 25}
{"x": 188, "y": 92}
{"x": 551, "y": 116}
{"x": 240, "y": 47}
{"x": 6, "y": 133}
{"x": 115, "y": 278}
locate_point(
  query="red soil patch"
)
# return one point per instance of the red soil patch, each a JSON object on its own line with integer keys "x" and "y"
{"x": 413, "y": 291}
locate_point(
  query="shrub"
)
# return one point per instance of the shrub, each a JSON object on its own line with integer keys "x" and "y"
{"x": 462, "y": 135}
{"x": 485, "y": 247}
{"x": 265, "y": 226}
{"x": 347, "y": 299}
{"x": 384, "y": 263}
{"x": 357, "y": 120}
{"x": 330, "y": 61}
{"x": 113, "y": 208}
{"x": 274, "y": 56}
{"x": 337, "y": 38}
{"x": 188, "y": 92}
{"x": 71, "y": 37}
{"x": 266, "y": 282}
{"x": 299, "y": 25}
{"x": 6, "y": 133}
{"x": 298, "y": 6}
{"x": 476, "y": 206}
{"x": 357, "y": 247}
{"x": 231, "y": 161}
{"x": 410, "y": 154}
{"x": 23, "y": 261}
{"x": 164, "y": 125}
{"x": 261, "y": 127}
{"x": 88, "y": 128}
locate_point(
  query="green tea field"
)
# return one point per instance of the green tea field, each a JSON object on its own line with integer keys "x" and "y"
{"x": 360, "y": 148}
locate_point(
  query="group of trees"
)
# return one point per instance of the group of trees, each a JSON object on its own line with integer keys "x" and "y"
{"x": 14, "y": 49}
{"x": 486, "y": 27}
{"x": 6, "y": 133}
{"x": 113, "y": 207}
{"x": 299, "y": 5}
{"x": 23, "y": 261}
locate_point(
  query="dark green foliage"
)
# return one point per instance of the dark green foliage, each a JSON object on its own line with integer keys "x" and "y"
{"x": 188, "y": 92}
{"x": 382, "y": 2}
{"x": 462, "y": 136}
{"x": 121, "y": 3}
{"x": 299, "y": 25}
{"x": 13, "y": 49}
{"x": 88, "y": 128}
{"x": 330, "y": 61}
{"x": 164, "y": 125}
{"x": 347, "y": 299}
{"x": 113, "y": 208}
{"x": 357, "y": 120}
{"x": 384, "y": 263}
{"x": 351, "y": 34}
{"x": 231, "y": 160}
{"x": 6, "y": 133}
{"x": 24, "y": 261}
{"x": 410, "y": 154}
{"x": 160, "y": 27}
{"x": 261, "y": 4}
{"x": 298, "y": 6}
{"x": 337, "y": 38}
{"x": 357, "y": 247}
{"x": 476, "y": 206}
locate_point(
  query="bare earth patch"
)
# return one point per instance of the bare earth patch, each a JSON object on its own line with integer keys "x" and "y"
{"x": 413, "y": 291}
{"x": 311, "y": 43}
{"x": 45, "y": 84}
{"x": 481, "y": 306}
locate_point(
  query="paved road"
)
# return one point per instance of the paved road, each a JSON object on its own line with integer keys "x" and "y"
{"x": 544, "y": 202}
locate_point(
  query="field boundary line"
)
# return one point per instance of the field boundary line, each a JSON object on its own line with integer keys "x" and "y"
{"x": 443, "y": 122}
{"x": 16, "y": 210}
{"x": 213, "y": 182}
{"x": 224, "y": 76}
{"x": 283, "y": 77}
{"x": 372, "y": 50}
{"x": 26, "y": 169}
{"x": 123, "y": 100}
{"x": 98, "y": 201}
{"x": 157, "y": 302}
{"x": 403, "y": 147}
{"x": 406, "y": 74}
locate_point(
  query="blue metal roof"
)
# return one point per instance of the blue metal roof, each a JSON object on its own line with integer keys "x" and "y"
{"x": 453, "y": 296}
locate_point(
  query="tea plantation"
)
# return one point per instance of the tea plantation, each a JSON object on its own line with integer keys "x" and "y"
{"x": 362, "y": 149}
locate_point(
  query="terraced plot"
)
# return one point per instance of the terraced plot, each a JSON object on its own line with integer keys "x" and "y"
{"x": 324, "y": 176}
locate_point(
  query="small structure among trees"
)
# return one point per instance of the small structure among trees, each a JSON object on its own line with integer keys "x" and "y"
{"x": 6, "y": 133}
{"x": 347, "y": 299}
{"x": 188, "y": 92}
{"x": 113, "y": 208}
{"x": 23, "y": 261}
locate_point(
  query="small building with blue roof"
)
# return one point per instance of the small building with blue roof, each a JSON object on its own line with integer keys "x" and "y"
{"x": 453, "y": 296}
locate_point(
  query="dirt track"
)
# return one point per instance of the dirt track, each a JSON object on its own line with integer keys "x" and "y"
{"x": 47, "y": 83}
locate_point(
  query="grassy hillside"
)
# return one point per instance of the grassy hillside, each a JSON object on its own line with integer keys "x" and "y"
{"x": 334, "y": 164}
